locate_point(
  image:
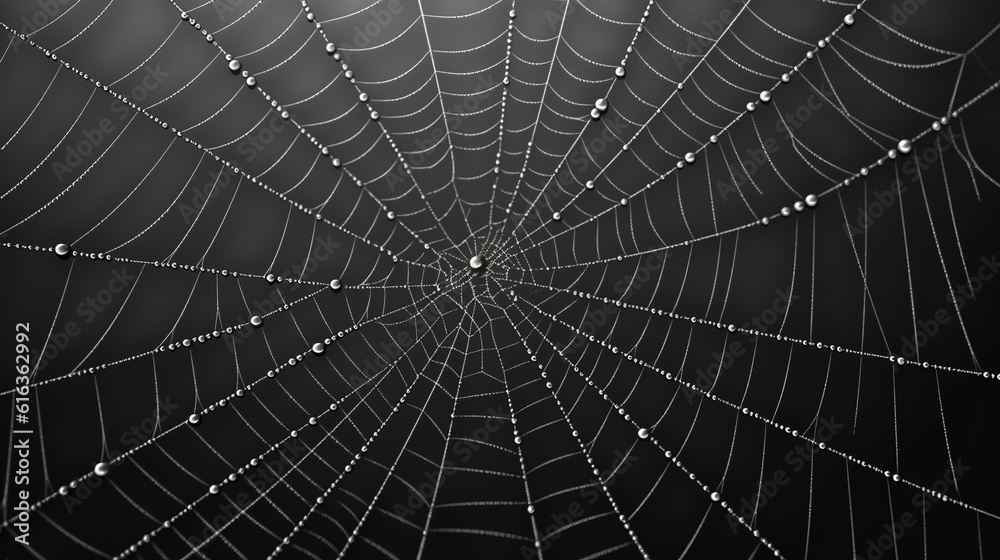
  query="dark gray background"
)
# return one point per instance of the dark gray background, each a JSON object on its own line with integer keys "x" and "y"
{"x": 721, "y": 279}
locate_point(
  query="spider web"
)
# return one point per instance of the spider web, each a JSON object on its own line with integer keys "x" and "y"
{"x": 502, "y": 279}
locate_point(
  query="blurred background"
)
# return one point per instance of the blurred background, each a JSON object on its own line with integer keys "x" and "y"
{"x": 191, "y": 154}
